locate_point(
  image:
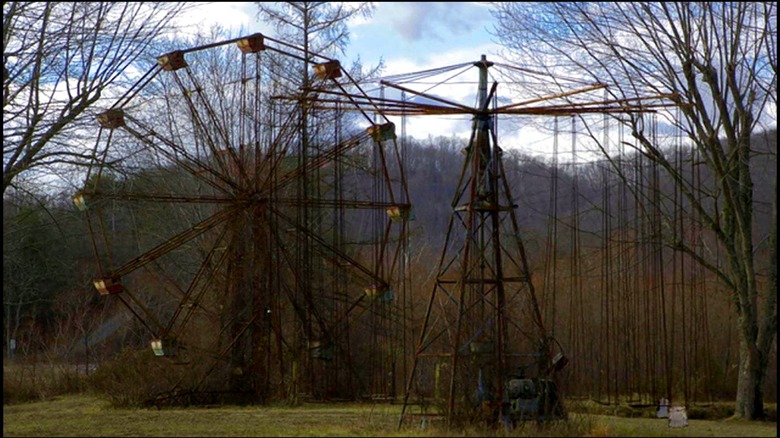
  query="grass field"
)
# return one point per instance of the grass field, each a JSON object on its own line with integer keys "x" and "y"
{"x": 80, "y": 415}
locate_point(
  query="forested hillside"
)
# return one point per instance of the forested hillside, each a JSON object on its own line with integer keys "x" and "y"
{"x": 434, "y": 165}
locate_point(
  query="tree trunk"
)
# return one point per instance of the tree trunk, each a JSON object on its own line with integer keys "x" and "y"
{"x": 750, "y": 384}
{"x": 755, "y": 360}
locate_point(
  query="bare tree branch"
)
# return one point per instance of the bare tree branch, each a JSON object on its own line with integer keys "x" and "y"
{"x": 58, "y": 59}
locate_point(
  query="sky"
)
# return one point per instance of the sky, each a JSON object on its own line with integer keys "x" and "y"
{"x": 407, "y": 37}
{"x": 410, "y": 37}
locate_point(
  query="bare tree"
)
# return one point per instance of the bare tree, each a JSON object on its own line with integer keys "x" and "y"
{"x": 58, "y": 58}
{"x": 319, "y": 27}
{"x": 718, "y": 61}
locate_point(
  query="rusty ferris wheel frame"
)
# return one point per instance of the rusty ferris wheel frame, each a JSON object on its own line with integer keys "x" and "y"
{"x": 277, "y": 256}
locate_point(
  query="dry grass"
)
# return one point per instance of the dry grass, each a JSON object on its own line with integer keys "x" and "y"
{"x": 89, "y": 416}
{"x": 23, "y": 382}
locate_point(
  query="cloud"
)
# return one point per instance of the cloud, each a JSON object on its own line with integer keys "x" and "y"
{"x": 233, "y": 16}
{"x": 439, "y": 58}
{"x": 418, "y": 20}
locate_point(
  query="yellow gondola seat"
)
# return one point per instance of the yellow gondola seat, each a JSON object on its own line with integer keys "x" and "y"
{"x": 328, "y": 70}
{"x": 252, "y": 44}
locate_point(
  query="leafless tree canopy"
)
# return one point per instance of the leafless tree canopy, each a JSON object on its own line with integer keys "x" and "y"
{"x": 58, "y": 58}
{"x": 717, "y": 62}
{"x": 319, "y": 26}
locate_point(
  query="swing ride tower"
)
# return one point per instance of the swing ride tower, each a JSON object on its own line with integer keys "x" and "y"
{"x": 492, "y": 328}
{"x": 483, "y": 352}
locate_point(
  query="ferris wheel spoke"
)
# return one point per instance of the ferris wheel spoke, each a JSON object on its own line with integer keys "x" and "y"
{"x": 175, "y": 241}
{"x": 161, "y": 198}
{"x": 147, "y": 319}
{"x": 205, "y": 271}
{"x": 179, "y": 155}
{"x": 375, "y": 290}
{"x": 319, "y": 161}
{"x": 329, "y": 248}
{"x": 341, "y": 203}
{"x": 330, "y": 333}
{"x": 308, "y": 308}
{"x": 218, "y": 141}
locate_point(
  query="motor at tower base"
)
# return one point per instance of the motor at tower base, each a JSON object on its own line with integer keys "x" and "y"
{"x": 533, "y": 398}
{"x": 525, "y": 398}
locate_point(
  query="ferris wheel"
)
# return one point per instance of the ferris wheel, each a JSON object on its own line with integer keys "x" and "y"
{"x": 253, "y": 218}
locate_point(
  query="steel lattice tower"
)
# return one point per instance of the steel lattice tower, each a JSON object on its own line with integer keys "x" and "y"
{"x": 486, "y": 345}
{"x": 492, "y": 318}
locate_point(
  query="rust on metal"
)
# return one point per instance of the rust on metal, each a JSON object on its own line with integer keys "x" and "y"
{"x": 328, "y": 70}
{"x": 252, "y": 44}
{"x": 111, "y": 119}
{"x": 172, "y": 61}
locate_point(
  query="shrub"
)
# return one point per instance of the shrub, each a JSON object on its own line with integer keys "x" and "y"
{"x": 29, "y": 382}
{"x": 132, "y": 378}
{"x": 137, "y": 378}
{"x": 770, "y": 409}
